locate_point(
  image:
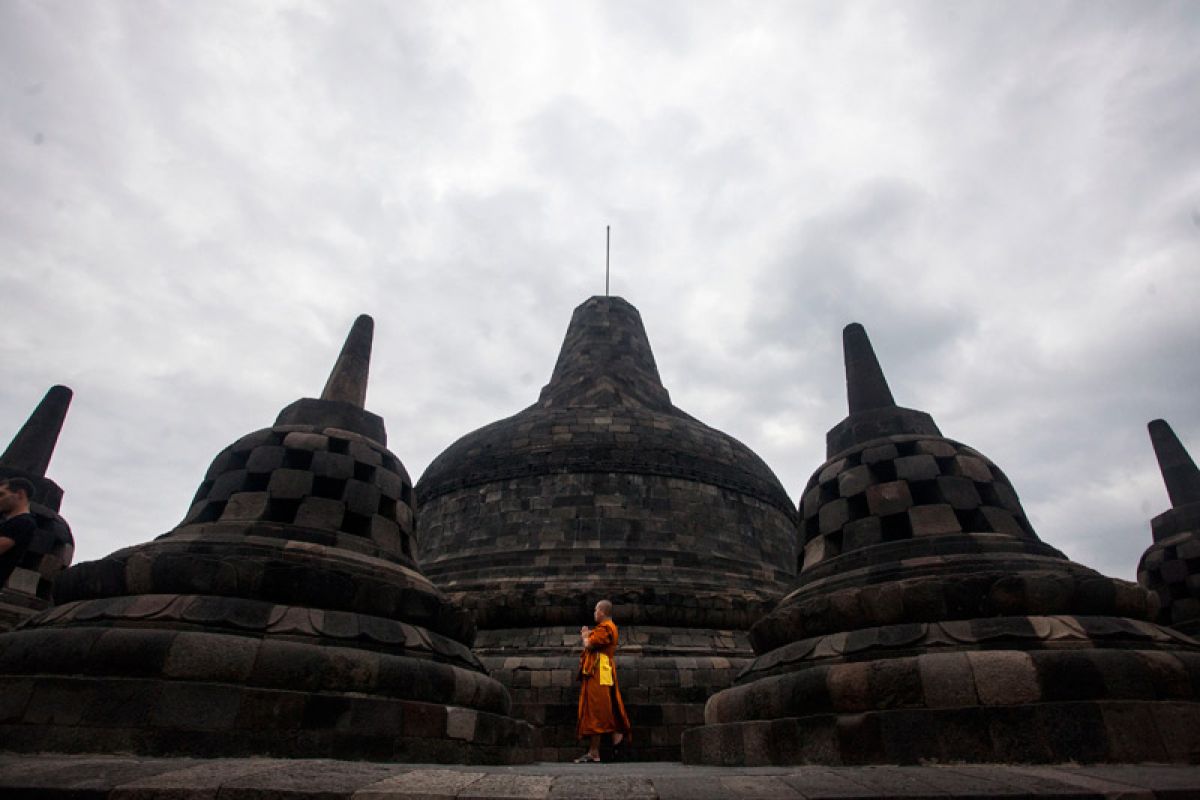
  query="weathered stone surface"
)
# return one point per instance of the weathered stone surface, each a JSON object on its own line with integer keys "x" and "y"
{"x": 942, "y": 628}
{"x": 1171, "y": 566}
{"x": 604, "y": 490}
{"x": 30, "y": 587}
{"x": 285, "y": 615}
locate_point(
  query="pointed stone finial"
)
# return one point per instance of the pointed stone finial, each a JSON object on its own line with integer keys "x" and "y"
{"x": 866, "y": 387}
{"x": 1178, "y": 469}
{"x": 605, "y": 360}
{"x": 348, "y": 381}
{"x": 33, "y": 445}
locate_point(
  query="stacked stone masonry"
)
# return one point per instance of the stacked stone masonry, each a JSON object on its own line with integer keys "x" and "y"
{"x": 30, "y": 587}
{"x": 284, "y": 616}
{"x": 604, "y": 490}
{"x": 929, "y": 623}
{"x": 1170, "y": 567}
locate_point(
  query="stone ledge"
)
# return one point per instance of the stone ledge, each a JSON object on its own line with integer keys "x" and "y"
{"x": 127, "y": 778}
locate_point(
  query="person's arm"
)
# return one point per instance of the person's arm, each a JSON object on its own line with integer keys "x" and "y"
{"x": 600, "y": 638}
{"x": 6, "y": 544}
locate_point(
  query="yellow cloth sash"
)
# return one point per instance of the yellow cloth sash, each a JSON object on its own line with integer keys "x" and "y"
{"x": 606, "y": 671}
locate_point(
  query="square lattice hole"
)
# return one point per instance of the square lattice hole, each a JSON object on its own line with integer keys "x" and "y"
{"x": 282, "y": 510}
{"x": 357, "y": 524}
{"x": 294, "y": 458}
{"x": 329, "y": 488}
{"x": 256, "y": 482}
{"x": 895, "y": 527}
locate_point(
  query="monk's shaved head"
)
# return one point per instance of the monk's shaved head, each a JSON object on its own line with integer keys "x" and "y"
{"x": 605, "y": 607}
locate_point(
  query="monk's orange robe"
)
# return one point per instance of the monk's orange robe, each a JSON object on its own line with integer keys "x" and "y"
{"x": 601, "y": 709}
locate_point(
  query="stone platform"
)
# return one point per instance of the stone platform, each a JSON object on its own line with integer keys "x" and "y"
{"x": 132, "y": 778}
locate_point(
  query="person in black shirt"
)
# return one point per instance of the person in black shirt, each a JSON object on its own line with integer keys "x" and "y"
{"x": 17, "y": 525}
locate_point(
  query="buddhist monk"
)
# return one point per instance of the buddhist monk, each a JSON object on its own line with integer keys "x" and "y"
{"x": 601, "y": 710}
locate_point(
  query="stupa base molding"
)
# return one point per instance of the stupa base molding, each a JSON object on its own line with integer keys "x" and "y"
{"x": 1118, "y": 731}
{"x": 665, "y": 674}
{"x": 155, "y": 717}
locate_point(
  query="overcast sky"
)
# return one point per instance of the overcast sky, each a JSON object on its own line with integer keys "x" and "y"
{"x": 196, "y": 199}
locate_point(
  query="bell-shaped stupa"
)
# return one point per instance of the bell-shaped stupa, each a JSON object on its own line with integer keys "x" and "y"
{"x": 605, "y": 490}
{"x": 929, "y": 622}
{"x": 1171, "y": 566}
{"x": 284, "y": 616}
{"x": 30, "y": 586}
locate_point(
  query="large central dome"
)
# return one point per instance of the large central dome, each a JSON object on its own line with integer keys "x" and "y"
{"x": 604, "y": 487}
{"x": 604, "y": 490}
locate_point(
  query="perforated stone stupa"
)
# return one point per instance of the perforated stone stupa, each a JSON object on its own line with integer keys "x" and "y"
{"x": 30, "y": 587}
{"x": 1171, "y": 566}
{"x": 929, "y": 622}
{"x": 604, "y": 489}
{"x": 284, "y": 616}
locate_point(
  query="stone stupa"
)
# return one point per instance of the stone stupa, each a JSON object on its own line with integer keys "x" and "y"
{"x": 284, "y": 616}
{"x": 605, "y": 490}
{"x": 1171, "y": 566}
{"x": 929, "y": 622}
{"x": 29, "y": 589}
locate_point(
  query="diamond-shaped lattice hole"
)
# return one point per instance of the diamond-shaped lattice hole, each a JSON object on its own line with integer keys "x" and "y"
{"x": 256, "y": 482}
{"x": 357, "y": 524}
{"x": 895, "y": 527}
{"x": 295, "y": 458}
{"x": 331, "y": 488}
{"x": 282, "y": 510}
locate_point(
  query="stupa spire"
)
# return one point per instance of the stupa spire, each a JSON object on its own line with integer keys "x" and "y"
{"x": 342, "y": 403}
{"x": 866, "y": 386}
{"x": 873, "y": 413}
{"x": 1178, "y": 469}
{"x": 348, "y": 380}
{"x": 32, "y": 447}
{"x": 605, "y": 360}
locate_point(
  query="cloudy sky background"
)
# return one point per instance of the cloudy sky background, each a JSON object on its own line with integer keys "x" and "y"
{"x": 196, "y": 199}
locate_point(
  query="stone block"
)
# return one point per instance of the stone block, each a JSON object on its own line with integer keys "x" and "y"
{"x": 191, "y": 707}
{"x": 959, "y": 492}
{"x": 290, "y": 484}
{"x": 1004, "y": 677}
{"x": 811, "y": 502}
{"x": 934, "y": 520}
{"x": 420, "y": 784}
{"x": 875, "y": 455}
{"x": 834, "y": 515}
{"x": 974, "y": 468}
{"x": 854, "y": 481}
{"x": 862, "y": 533}
{"x": 917, "y": 468}
{"x": 947, "y": 680}
{"x": 208, "y": 657}
{"x": 814, "y": 551}
{"x": 320, "y": 512}
{"x": 246, "y": 506}
{"x": 266, "y": 458}
{"x": 508, "y": 785}
{"x": 332, "y": 465}
{"x": 938, "y": 448}
{"x": 889, "y": 498}
{"x": 849, "y": 687}
{"x": 362, "y": 498}
{"x": 1002, "y": 521}
{"x": 226, "y": 484}
{"x": 298, "y": 440}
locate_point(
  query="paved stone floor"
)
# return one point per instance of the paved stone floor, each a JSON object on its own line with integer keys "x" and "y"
{"x": 133, "y": 778}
